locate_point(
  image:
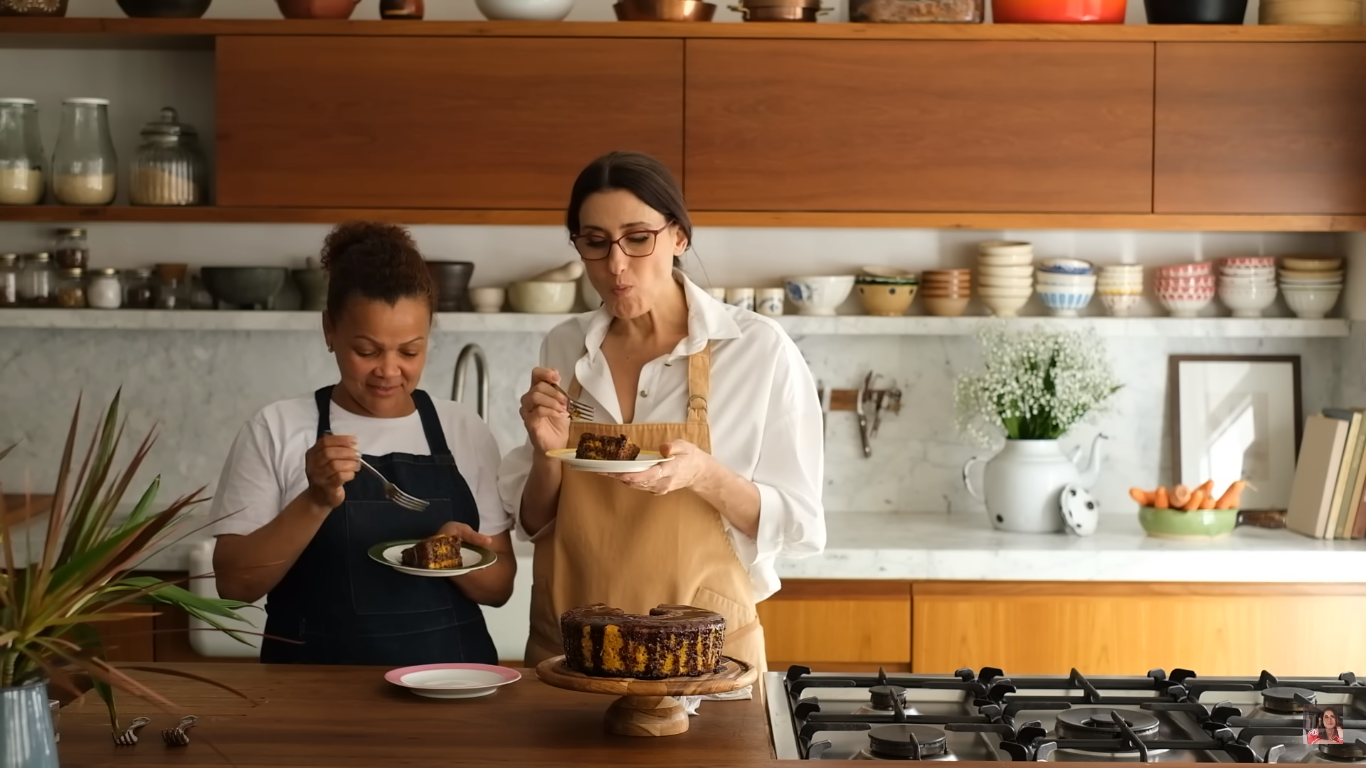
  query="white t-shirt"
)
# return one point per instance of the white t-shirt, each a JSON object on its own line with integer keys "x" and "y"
{"x": 265, "y": 469}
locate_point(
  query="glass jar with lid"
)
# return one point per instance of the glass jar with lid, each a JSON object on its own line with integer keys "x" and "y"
{"x": 84, "y": 166}
{"x": 21, "y": 153}
{"x": 70, "y": 291}
{"x": 9, "y": 279}
{"x": 37, "y": 280}
{"x": 70, "y": 250}
{"x": 169, "y": 167}
{"x": 137, "y": 289}
{"x": 104, "y": 289}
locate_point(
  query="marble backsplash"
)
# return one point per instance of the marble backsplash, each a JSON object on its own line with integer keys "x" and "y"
{"x": 201, "y": 386}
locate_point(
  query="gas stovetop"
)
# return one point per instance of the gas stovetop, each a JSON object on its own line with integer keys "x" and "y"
{"x": 988, "y": 716}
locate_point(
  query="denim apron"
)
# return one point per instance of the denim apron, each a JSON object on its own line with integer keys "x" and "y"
{"x": 349, "y": 609}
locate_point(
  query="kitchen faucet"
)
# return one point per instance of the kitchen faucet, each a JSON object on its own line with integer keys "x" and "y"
{"x": 481, "y": 366}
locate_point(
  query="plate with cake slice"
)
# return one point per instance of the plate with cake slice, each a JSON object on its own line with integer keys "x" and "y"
{"x": 607, "y": 453}
{"x": 441, "y": 555}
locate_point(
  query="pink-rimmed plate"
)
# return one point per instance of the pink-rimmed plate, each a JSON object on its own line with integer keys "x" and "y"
{"x": 452, "y": 681}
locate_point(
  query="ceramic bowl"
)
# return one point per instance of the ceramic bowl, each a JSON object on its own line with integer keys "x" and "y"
{"x": 886, "y": 300}
{"x": 542, "y": 298}
{"x": 317, "y": 9}
{"x": 452, "y": 280}
{"x": 1321, "y": 278}
{"x": 1311, "y": 263}
{"x": 819, "y": 295}
{"x": 525, "y": 10}
{"x": 1016, "y": 270}
{"x": 1005, "y": 306}
{"x": 244, "y": 286}
{"x": 1185, "y": 305}
{"x": 1197, "y": 524}
{"x": 1058, "y": 11}
{"x": 1070, "y": 281}
{"x": 488, "y": 299}
{"x": 1006, "y": 260}
{"x": 1120, "y": 304}
{"x": 1247, "y": 301}
{"x": 1064, "y": 303}
{"x": 164, "y": 9}
{"x": 877, "y": 270}
{"x": 1065, "y": 266}
{"x": 1006, "y": 282}
{"x": 1310, "y": 303}
{"x": 1193, "y": 269}
{"x": 1006, "y": 247}
{"x": 946, "y": 306}
{"x": 312, "y": 289}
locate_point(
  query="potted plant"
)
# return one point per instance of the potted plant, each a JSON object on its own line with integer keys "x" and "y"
{"x": 57, "y": 588}
{"x": 1036, "y": 385}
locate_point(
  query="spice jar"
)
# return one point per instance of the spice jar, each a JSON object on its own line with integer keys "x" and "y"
{"x": 70, "y": 249}
{"x": 137, "y": 289}
{"x": 9, "y": 279}
{"x": 36, "y": 280}
{"x": 169, "y": 167}
{"x": 84, "y": 166}
{"x": 21, "y": 153}
{"x": 71, "y": 288}
{"x": 104, "y": 290}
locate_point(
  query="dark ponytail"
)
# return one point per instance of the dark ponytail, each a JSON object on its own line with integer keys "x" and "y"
{"x": 374, "y": 261}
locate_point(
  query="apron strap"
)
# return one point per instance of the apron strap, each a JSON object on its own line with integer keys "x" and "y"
{"x": 699, "y": 385}
{"x": 323, "y": 397}
{"x": 431, "y": 424}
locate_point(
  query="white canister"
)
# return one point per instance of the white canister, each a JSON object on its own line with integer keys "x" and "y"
{"x": 717, "y": 293}
{"x": 769, "y": 301}
{"x": 105, "y": 290}
{"x": 740, "y": 297}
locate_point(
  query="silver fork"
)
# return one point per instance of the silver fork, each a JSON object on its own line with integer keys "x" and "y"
{"x": 178, "y": 736}
{"x": 577, "y": 410}
{"x": 129, "y": 737}
{"x": 394, "y": 493}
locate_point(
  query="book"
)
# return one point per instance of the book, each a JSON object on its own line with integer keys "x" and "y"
{"x": 1316, "y": 474}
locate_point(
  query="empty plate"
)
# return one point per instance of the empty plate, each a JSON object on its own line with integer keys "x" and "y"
{"x": 390, "y": 553}
{"x": 644, "y": 461}
{"x": 452, "y": 681}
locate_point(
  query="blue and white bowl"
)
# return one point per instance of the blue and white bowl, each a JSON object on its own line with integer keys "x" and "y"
{"x": 1063, "y": 302}
{"x": 1065, "y": 266}
{"x": 820, "y": 295}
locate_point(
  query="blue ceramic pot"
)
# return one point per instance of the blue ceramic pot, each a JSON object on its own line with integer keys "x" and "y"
{"x": 26, "y": 736}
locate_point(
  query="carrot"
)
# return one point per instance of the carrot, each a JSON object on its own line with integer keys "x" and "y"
{"x": 1196, "y": 499}
{"x": 1141, "y": 496}
{"x": 1208, "y": 503}
{"x": 1208, "y": 488}
{"x": 1231, "y": 496}
{"x": 1160, "y": 499}
{"x": 1180, "y": 495}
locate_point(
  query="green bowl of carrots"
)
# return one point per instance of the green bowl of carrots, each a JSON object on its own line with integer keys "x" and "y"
{"x": 1189, "y": 513}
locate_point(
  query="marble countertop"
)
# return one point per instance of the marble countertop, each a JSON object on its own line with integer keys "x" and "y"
{"x": 963, "y": 547}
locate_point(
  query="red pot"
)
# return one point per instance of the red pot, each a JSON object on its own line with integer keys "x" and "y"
{"x": 1057, "y": 11}
{"x": 317, "y": 9}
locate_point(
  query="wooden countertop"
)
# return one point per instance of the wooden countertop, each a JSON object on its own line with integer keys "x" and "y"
{"x": 349, "y": 716}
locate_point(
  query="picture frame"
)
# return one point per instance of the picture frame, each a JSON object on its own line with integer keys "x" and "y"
{"x": 1237, "y": 417}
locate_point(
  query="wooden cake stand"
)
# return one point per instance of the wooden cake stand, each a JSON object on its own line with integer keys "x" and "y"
{"x": 648, "y": 707}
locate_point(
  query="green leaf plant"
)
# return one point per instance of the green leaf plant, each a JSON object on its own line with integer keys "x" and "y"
{"x": 53, "y": 601}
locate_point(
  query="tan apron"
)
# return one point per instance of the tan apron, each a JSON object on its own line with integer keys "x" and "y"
{"x": 633, "y": 550}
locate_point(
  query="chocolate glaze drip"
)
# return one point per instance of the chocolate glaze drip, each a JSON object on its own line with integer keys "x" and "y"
{"x": 673, "y": 641}
{"x": 441, "y": 552}
{"x": 606, "y": 448}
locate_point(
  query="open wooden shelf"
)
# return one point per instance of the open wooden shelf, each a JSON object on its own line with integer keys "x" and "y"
{"x": 208, "y": 28}
{"x": 869, "y": 220}
{"x": 796, "y": 325}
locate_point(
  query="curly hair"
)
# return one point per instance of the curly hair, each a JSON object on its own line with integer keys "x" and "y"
{"x": 374, "y": 261}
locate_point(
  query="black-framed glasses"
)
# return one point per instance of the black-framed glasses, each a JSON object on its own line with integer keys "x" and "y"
{"x": 637, "y": 243}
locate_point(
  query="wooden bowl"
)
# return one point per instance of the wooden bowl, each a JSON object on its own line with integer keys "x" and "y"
{"x": 648, "y": 707}
{"x": 1345, "y": 13}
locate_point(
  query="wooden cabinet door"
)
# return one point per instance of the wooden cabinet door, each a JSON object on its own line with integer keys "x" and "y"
{"x": 1128, "y": 629}
{"x": 838, "y": 625}
{"x": 861, "y": 125}
{"x": 1260, "y": 128}
{"x": 129, "y": 640}
{"x": 414, "y": 122}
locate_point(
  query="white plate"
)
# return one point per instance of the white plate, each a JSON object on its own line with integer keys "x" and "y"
{"x": 390, "y": 553}
{"x": 453, "y": 681}
{"x": 644, "y": 461}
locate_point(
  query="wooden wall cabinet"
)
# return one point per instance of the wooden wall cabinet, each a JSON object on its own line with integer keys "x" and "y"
{"x": 430, "y": 122}
{"x": 842, "y": 125}
{"x": 839, "y": 625}
{"x": 1259, "y": 128}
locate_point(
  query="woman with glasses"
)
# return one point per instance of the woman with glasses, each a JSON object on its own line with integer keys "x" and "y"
{"x": 721, "y": 391}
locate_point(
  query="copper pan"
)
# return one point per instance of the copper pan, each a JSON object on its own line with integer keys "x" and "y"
{"x": 664, "y": 10}
{"x": 780, "y": 10}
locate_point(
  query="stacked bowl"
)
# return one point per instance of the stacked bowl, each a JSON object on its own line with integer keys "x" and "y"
{"x": 1121, "y": 288}
{"x": 1065, "y": 285}
{"x": 1311, "y": 284}
{"x": 1185, "y": 289}
{"x": 946, "y": 291}
{"x": 1005, "y": 276}
{"x": 886, "y": 291}
{"x": 1247, "y": 284}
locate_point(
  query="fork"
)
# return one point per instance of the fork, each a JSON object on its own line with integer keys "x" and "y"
{"x": 177, "y": 736}
{"x": 582, "y": 411}
{"x": 129, "y": 737}
{"x": 394, "y": 493}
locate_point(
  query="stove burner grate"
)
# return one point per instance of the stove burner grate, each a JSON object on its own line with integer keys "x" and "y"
{"x": 906, "y": 742}
{"x": 1090, "y": 723}
{"x": 1283, "y": 699}
{"x": 887, "y": 697}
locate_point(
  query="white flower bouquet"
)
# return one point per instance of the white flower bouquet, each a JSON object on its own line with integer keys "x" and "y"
{"x": 1036, "y": 384}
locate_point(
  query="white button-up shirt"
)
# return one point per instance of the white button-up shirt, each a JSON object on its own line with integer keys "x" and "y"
{"x": 763, "y": 411}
